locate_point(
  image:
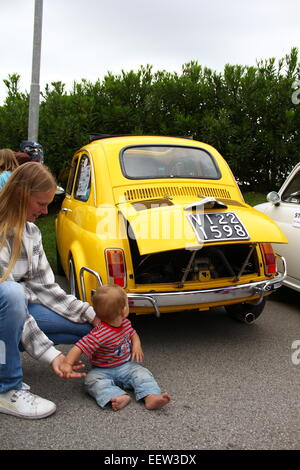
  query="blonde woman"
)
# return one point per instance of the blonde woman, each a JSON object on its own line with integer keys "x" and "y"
{"x": 35, "y": 313}
{"x": 8, "y": 163}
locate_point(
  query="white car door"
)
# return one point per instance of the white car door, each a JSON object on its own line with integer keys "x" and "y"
{"x": 287, "y": 216}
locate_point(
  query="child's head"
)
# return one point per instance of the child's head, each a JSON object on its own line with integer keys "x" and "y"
{"x": 8, "y": 161}
{"x": 110, "y": 302}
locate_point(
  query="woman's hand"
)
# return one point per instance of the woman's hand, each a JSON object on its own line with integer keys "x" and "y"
{"x": 64, "y": 370}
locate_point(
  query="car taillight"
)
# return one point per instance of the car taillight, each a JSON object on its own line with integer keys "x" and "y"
{"x": 116, "y": 267}
{"x": 269, "y": 258}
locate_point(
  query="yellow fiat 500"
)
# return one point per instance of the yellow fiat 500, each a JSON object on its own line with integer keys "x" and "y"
{"x": 164, "y": 218}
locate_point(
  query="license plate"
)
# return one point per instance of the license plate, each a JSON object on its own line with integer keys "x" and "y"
{"x": 217, "y": 226}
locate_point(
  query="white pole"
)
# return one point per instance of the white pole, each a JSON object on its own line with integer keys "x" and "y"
{"x": 34, "y": 101}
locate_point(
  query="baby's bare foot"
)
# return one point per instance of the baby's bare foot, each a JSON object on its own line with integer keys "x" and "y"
{"x": 119, "y": 402}
{"x": 153, "y": 402}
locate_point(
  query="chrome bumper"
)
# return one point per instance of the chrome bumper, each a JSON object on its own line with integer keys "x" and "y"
{"x": 199, "y": 297}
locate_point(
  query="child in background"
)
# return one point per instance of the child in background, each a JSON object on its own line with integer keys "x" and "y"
{"x": 112, "y": 347}
{"x": 8, "y": 163}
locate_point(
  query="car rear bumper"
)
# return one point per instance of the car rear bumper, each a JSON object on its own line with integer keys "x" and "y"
{"x": 217, "y": 296}
{"x": 207, "y": 296}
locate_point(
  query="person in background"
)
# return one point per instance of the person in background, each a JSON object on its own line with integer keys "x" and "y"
{"x": 30, "y": 151}
{"x": 8, "y": 163}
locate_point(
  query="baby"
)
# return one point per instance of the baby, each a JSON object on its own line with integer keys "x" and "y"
{"x": 114, "y": 350}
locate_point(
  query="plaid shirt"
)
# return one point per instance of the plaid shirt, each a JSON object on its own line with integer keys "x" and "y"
{"x": 34, "y": 273}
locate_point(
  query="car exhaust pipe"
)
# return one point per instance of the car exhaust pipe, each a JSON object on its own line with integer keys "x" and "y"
{"x": 246, "y": 312}
{"x": 245, "y": 317}
{"x": 248, "y": 317}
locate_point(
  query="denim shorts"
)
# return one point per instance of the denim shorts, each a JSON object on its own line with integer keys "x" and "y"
{"x": 13, "y": 313}
{"x": 106, "y": 383}
{"x": 59, "y": 329}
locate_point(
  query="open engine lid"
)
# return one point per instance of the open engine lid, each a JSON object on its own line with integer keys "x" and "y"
{"x": 159, "y": 227}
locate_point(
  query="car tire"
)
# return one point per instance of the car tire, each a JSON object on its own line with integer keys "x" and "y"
{"x": 72, "y": 279}
{"x": 245, "y": 312}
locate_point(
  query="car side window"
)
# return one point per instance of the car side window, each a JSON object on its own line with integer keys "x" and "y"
{"x": 292, "y": 192}
{"x": 71, "y": 177}
{"x": 83, "y": 180}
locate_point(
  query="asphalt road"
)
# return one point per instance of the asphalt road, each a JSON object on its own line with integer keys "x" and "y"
{"x": 233, "y": 386}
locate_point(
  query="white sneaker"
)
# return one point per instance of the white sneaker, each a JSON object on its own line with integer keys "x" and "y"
{"x": 24, "y": 404}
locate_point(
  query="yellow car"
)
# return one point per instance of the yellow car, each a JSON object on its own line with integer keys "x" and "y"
{"x": 164, "y": 218}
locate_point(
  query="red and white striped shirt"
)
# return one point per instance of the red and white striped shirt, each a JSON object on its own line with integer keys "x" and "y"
{"x": 106, "y": 345}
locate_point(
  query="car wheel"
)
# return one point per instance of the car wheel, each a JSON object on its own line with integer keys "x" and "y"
{"x": 72, "y": 279}
{"x": 244, "y": 312}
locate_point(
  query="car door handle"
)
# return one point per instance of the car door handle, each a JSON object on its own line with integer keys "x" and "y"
{"x": 65, "y": 209}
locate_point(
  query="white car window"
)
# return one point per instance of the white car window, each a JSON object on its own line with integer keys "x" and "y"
{"x": 292, "y": 192}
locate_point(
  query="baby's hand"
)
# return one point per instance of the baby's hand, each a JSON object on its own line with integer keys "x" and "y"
{"x": 65, "y": 370}
{"x": 137, "y": 354}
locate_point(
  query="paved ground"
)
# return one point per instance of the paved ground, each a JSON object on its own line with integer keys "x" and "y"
{"x": 233, "y": 386}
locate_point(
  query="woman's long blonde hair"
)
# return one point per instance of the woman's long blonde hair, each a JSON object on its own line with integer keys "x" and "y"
{"x": 26, "y": 180}
{"x": 8, "y": 161}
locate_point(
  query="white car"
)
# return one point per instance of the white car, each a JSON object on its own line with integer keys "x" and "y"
{"x": 284, "y": 208}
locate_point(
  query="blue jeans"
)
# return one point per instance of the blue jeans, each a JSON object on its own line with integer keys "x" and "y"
{"x": 13, "y": 312}
{"x": 105, "y": 383}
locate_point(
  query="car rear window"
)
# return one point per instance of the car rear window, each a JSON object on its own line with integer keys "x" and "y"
{"x": 168, "y": 162}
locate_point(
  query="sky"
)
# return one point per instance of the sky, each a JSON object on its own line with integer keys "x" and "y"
{"x": 88, "y": 38}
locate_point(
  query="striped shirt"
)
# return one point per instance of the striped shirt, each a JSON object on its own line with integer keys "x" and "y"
{"x": 106, "y": 345}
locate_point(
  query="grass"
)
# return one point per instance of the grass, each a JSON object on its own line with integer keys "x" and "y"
{"x": 47, "y": 227}
{"x": 253, "y": 198}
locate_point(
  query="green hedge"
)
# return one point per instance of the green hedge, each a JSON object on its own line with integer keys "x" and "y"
{"x": 246, "y": 112}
